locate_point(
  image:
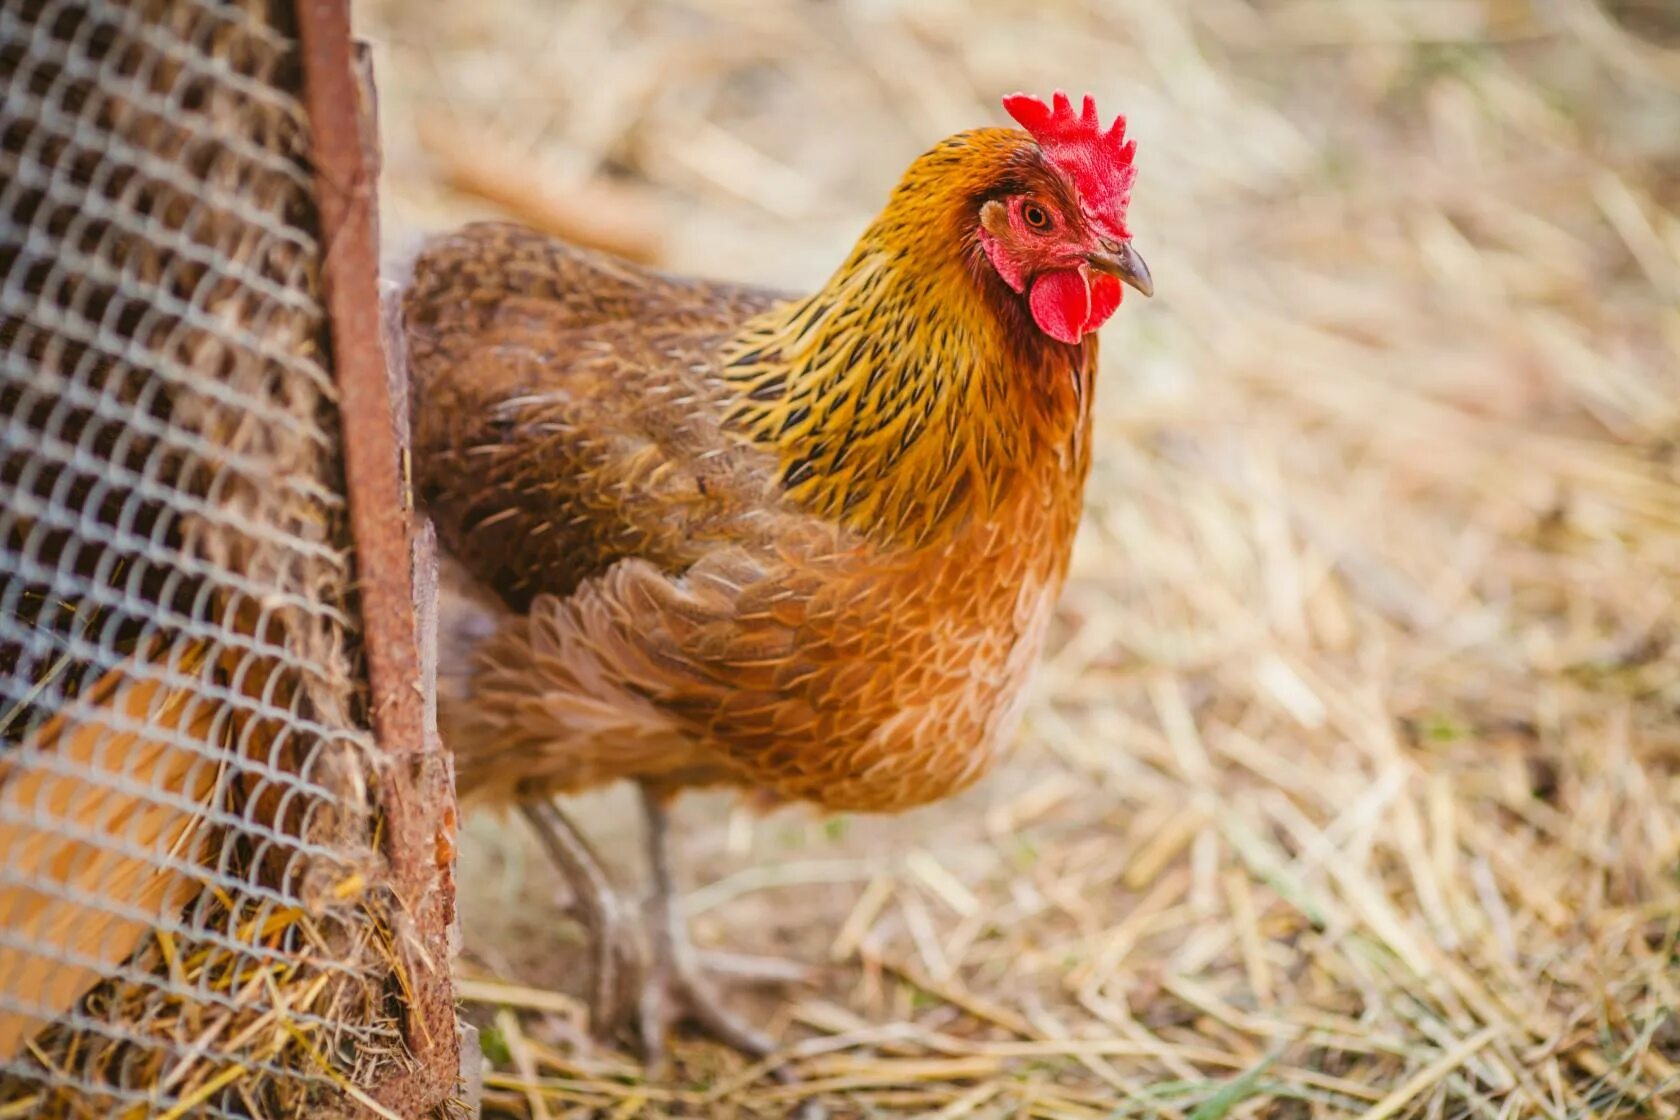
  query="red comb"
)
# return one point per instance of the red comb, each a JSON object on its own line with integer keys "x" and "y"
{"x": 1098, "y": 162}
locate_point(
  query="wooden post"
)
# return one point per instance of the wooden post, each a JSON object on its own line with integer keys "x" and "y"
{"x": 415, "y": 788}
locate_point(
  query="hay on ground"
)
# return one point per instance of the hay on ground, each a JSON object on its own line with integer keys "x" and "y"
{"x": 1353, "y": 783}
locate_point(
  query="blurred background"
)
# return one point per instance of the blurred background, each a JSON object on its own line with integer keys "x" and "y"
{"x": 1352, "y": 783}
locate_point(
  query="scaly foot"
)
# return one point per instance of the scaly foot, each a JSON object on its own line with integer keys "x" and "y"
{"x": 674, "y": 987}
{"x": 611, "y": 937}
{"x": 673, "y": 992}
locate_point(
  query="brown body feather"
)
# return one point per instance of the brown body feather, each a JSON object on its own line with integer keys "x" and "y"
{"x": 700, "y": 533}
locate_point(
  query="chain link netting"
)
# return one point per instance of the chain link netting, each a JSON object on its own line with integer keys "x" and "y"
{"x": 185, "y": 836}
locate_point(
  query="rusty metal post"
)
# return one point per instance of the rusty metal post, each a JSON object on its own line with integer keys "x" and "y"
{"x": 415, "y": 790}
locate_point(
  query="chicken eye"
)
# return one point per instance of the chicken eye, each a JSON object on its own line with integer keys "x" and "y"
{"x": 1036, "y": 216}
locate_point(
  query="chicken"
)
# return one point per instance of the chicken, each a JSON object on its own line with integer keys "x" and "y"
{"x": 704, "y": 534}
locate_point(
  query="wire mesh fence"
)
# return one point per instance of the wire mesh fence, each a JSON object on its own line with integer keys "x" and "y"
{"x": 191, "y": 913}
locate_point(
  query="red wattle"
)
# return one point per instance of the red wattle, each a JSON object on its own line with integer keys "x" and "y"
{"x": 1106, "y": 292}
{"x": 1061, "y": 304}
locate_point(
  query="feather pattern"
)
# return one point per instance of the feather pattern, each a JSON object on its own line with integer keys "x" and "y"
{"x": 701, "y": 533}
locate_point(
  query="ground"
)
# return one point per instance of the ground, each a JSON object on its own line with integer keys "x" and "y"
{"x": 1352, "y": 782}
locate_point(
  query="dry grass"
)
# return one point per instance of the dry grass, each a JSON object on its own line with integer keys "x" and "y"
{"x": 1353, "y": 784}
{"x": 256, "y": 1033}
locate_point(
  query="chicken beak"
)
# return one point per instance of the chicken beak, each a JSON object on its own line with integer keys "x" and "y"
{"x": 1123, "y": 262}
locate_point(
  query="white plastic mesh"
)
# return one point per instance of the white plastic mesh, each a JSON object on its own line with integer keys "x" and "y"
{"x": 184, "y": 833}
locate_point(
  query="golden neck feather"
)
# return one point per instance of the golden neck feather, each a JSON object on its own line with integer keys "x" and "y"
{"x": 908, "y": 394}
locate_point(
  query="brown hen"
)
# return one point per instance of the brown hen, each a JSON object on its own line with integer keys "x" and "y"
{"x": 703, "y": 534}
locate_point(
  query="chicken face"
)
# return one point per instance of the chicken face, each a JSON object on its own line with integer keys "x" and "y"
{"x": 1060, "y": 239}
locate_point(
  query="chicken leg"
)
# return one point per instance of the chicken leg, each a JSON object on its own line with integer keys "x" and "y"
{"x": 674, "y": 987}
{"x": 600, "y": 909}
